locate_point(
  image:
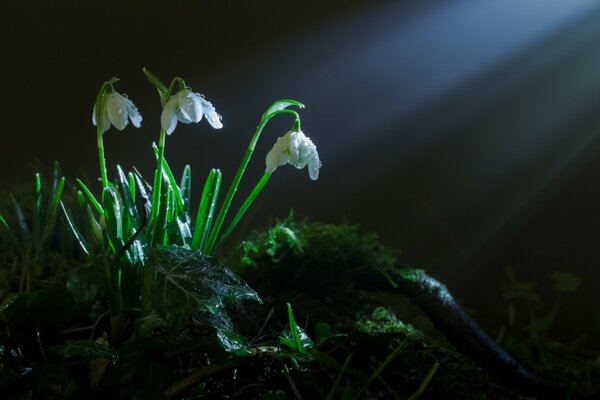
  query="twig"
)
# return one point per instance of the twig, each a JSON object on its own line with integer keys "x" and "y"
{"x": 291, "y": 382}
{"x": 179, "y": 387}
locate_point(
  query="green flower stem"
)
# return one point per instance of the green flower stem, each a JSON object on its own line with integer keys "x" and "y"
{"x": 158, "y": 175}
{"x": 101, "y": 158}
{"x": 100, "y": 129}
{"x": 236, "y": 219}
{"x": 238, "y": 177}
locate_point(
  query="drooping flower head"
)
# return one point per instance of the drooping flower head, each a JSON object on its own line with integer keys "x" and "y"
{"x": 117, "y": 109}
{"x": 296, "y": 149}
{"x": 187, "y": 107}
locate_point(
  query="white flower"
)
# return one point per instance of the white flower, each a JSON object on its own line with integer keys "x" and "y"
{"x": 296, "y": 149}
{"x": 187, "y": 106}
{"x": 117, "y": 109}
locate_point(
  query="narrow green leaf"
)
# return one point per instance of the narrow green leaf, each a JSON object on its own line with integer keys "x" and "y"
{"x": 91, "y": 197}
{"x": 159, "y": 224}
{"x": 170, "y": 180}
{"x": 113, "y": 215}
{"x": 160, "y": 86}
{"x": 25, "y": 233}
{"x": 52, "y": 213}
{"x": 12, "y": 236}
{"x": 131, "y": 181}
{"x": 80, "y": 240}
{"x": 186, "y": 188}
{"x": 128, "y": 200}
{"x": 416, "y": 395}
{"x": 36, "y": 210}
{"x": 95, "y": 230}
{"x": 280, "y": 105}
{"x": 294, "y": 331}
{"x": 206, "y": 209}
{"x": 144, "y": 189}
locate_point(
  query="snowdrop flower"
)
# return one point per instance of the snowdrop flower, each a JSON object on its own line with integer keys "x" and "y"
{"x": 117, "y": 110}
{"x": 296, "y": 149}
{"x": 187, "y": 106}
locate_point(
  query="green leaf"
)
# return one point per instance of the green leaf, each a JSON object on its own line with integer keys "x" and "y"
{"x": 12, "y": 237}
{"x": 113, "y": 215}
{"x": 84, "y": 349}
{"x": 189, "y": 282}
{"x": 51, "y": 214}
{"x": 206, "y": 209}
{"x": 128, "y": 201}
{"x": 91, "y": 197}
{"x": 280, "y": 105}
{"x": 80, "y": 240}
{"x": 160, "y": 86}
{"x": 36, "y": 210}
{"x": 296, "y": 339}
{"x": 186, "y": 188}
{"x": 158, "y": 235}
{"x": 25, "y": 234}
{"x": 170, "y": 180}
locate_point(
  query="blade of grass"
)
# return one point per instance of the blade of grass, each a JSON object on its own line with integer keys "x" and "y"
{"x": 91, "y": 197}
{"x": 80, "y": 240}
{"x": 170, "y": 179}
{"x": 51, "y": 215}
{"x": 36, "y": 211}
{"x": 12, "y": 237}
{"x": 425, "y": 382}
{"x": 25, "y": 233}
{"x": 336, "y": 382}
{"x": 379, "y": 370}
{"x": 206, "y": 209}
{"x": 186, "y": 188}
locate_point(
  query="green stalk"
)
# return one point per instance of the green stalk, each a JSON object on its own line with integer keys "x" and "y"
{"x": 236, "y": 219}
{"x": 238, "y": 177}
{"x": 103, "y": 175}
{"x": 158, "y": 176}
{"x": 100, "y": 130}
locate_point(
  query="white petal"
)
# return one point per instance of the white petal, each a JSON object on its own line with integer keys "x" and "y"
{"x": 168, "y": 119}
{"x": 94, "y": 116}
{"x": 105, "y": 119}
{"x": 116, "y": 110}
{"x": 314, "y": 164}
{"x": 272, "y": 160}
{"x": 277, "y": 155}
{"x": 190, "y": 108}
{"x": 210, "y": 113}
{"x": 132, "y": 112}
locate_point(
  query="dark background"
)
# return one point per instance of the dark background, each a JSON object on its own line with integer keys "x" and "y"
{"x": 463, "y": 133}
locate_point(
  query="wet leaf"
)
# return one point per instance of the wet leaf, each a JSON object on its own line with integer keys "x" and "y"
{"x": 189, "y": 282}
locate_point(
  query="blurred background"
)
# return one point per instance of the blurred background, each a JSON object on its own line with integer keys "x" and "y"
{"x": 464, "y": 133}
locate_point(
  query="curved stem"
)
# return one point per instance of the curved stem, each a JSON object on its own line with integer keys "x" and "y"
{"x": 238, "y": 177}
{"x": 100, "y": 129}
